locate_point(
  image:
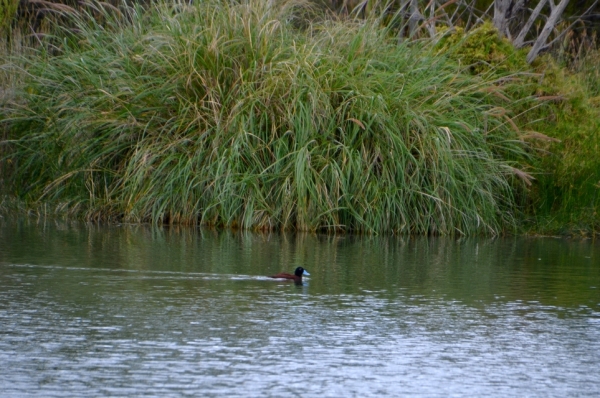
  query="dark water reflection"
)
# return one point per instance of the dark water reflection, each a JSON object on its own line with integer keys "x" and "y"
{"x": 134, "y": 311}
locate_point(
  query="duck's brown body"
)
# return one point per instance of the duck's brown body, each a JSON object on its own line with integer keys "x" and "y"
{"x": 297, "y": 277}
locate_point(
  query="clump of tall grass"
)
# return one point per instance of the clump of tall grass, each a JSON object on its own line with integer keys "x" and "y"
{"x": 8, "y": 9}
{"x": 13, "y": 55}
{"x": 240, "y": 114}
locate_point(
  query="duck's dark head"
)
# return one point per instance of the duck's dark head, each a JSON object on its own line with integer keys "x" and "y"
{"x": 300, "y": 272}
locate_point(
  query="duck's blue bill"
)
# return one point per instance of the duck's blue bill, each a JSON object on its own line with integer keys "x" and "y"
{"x": 305, "y": 273}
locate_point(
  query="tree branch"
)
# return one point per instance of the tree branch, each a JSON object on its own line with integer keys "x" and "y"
{"x": 548, "y": 27}
{"x": 520, "y": 40}
{"x": 570, "y": 26}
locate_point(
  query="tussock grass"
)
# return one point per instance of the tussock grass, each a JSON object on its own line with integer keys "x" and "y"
{"x": 246, "y": 114}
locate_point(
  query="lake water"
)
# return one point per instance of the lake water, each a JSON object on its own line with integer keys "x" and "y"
{"x": 140, "y": 311}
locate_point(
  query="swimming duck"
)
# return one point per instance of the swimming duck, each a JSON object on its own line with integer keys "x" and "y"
{"x": 297, "y": 277}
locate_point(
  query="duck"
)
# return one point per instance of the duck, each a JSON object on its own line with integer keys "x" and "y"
{"x": 297, "y": 277}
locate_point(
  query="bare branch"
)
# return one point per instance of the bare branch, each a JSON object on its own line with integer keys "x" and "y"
{"x": 520, "y": 40}
{"x": 561, "y": 35}
{"x": 548, "y": 27}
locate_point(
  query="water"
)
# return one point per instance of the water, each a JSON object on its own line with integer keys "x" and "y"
{"x": 136, "y": 311}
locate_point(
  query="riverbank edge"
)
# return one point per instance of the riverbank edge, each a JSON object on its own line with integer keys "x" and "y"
{"x": 13, "y": 208}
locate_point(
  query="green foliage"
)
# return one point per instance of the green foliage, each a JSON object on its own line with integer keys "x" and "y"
{"x": 559, "y": 114}
{"x": 567, "y": 196}
{"x": 228, "y": 114}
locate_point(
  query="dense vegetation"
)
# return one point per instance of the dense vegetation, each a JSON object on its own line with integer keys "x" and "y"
{"x": 255, "y": 116}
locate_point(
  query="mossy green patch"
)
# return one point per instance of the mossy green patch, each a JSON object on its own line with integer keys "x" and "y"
{"x": 482, "y": 50}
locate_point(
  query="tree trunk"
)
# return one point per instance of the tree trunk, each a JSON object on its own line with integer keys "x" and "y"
{"x": 414, "y": 19}
{"x": 502, "y": 14}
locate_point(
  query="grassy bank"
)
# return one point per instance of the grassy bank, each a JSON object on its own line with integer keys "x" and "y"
{"x": 250, "y": 116}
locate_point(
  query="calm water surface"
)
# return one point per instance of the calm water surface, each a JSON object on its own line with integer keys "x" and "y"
{"x": 136, "y": 311}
